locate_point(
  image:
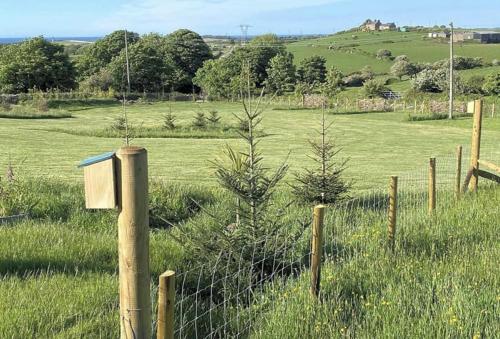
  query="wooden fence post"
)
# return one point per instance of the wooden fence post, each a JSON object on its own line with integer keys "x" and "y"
{"x": 458, "y": 177}
{"x": 432, "y": 185}
{"x": 393, "y": 206}
{"x": 476, "y": 144}
{"x": 166, "y": 303}
{"x": 317, "y": 248}
{"x": 133, "y": 243}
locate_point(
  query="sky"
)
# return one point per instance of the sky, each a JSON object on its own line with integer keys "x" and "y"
{"x": 66, "y": 18}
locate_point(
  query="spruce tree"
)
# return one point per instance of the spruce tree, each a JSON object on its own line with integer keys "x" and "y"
{"x": 323, "y": 184}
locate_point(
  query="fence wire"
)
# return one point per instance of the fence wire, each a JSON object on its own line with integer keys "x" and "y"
{"x": 226, "y": 299}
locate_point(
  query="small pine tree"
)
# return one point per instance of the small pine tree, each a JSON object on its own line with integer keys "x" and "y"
{"x": 323, "y": 184}
{"x": 119, "y": 124}
{"x": 200, "y": 121}
{"x": 169, "y": 121}
{"x": 214, "y": 117}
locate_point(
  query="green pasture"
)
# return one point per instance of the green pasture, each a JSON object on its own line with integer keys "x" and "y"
{"x": 359, "y": 48}
{"x": 377, "y": 144}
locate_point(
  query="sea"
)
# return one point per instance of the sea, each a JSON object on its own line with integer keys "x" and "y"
{"x": 53, "y": 39}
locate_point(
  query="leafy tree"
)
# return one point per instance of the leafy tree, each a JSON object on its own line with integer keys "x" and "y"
{"x": 403, "y": 67}
{"x": 100, "y": 54}
{"x": 35, "y": 63}
{"x": 374, "y": 88}
{"x": 281, "y": 74}
{"x": 430, "y": 80}
{"x": 436, "y": 81}
{"x": 312, "y": 70}
{"x": 102, "y": 80}
{"x": 214, "y": 79}
{"x": 333, "y": 83}
{"x": 302, "y": 89}
{"x": 323, "y": 184}
{"x": 150, "y": 69}
{"x": 460, "y": 63}
{"x": 492, "y": 84}
{"x": 189, "y": 51}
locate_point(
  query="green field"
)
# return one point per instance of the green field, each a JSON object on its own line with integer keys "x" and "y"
{"x": 380, "y": 144}
{"x": 367, "y": 44}
{"x": 58, "y": 270}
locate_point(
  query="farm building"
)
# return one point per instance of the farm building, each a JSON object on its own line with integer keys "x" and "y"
{"x": 437, "y": 35}
{"x": 391, "y": 26}
{"x": 376, "y": 25}
{"x": 484, "y": 37}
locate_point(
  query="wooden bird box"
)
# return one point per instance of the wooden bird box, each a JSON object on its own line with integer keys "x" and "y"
{"x": 100, "y": 181}
{"x": 470, "y": 107}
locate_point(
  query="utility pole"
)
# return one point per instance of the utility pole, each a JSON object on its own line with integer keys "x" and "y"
{"x": 450, "y": 116}
{"x": 128, "y": 65}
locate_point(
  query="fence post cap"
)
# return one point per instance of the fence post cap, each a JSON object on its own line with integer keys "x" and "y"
{"x": 131, "y": 150}
{"x": 167, "y": 274}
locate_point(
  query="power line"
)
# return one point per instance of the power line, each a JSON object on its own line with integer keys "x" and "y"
{"x": 244, "y": 33}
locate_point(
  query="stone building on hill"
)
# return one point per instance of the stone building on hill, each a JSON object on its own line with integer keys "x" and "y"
{"x": 376, "y": 25}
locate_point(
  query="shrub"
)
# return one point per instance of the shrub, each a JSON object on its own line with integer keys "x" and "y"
{"x": 5, "y": 106}
{"x": 492, "y": 84}
{"x": 474, "y": 85}
{"x": 430, "y": 81}
{"x": 42, "y": 105}
{"x": 384, "y": 54}
{"x": 354, "y": 80}
{"x": 403, "y": 67}
{"x": 402, "y": 58}
{"x": 495, "y": 62}
{"x": 460, "y": 63}
{"x": 15, "y": 196}
{"x": 374, "y": 88}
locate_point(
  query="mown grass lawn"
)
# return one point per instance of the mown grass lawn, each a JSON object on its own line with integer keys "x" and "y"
{"x": 378, "y": 144}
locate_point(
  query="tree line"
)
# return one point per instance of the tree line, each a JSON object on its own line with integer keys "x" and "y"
{"x": 183, "y": 62}
{"x": 156, "y": 63}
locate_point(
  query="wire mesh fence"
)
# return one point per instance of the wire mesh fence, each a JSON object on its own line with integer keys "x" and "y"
{"x": 227, "y": 297}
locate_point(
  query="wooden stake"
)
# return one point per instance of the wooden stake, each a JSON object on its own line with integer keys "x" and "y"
{"x": 393, "y": 205}
{"x": 476, "y": 144}
{"x": 133, "y": 243}
{"x": 493, "y": 110}
{"x": 166, "y": 303}
{"x": 458, "y": 177}
{"x": 432, "y": 185}
{"x": 317, "y": 248}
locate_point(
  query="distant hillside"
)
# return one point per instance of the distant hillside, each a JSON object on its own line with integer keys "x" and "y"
{"x": 350, "y": 51}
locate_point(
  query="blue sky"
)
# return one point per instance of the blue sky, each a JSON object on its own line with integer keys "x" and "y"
{"x": 22, "y": 18}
